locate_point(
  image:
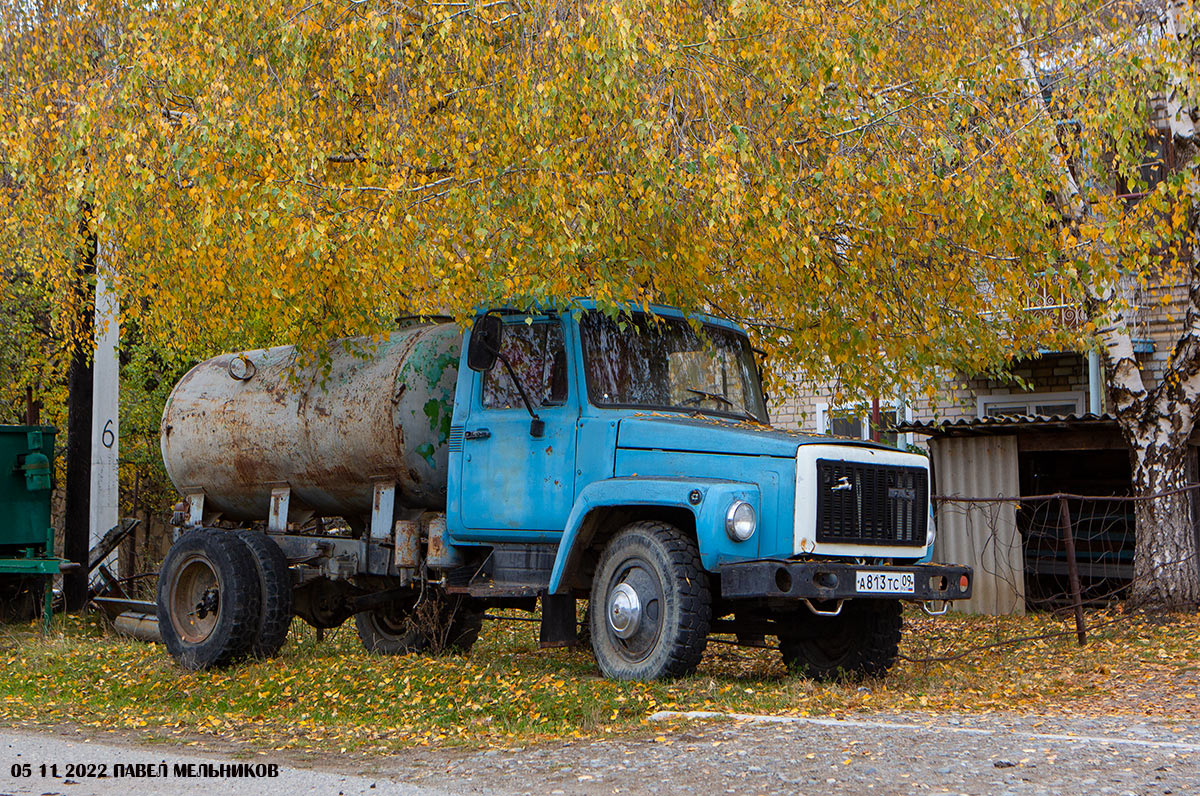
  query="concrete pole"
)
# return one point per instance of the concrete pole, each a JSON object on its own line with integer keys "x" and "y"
{"x": 105, "y": 416}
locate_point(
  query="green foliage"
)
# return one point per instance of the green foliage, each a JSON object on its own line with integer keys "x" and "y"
{"x": 30, "y": 356}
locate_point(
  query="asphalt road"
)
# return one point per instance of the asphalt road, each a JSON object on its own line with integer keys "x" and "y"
{"x": 78, "y": 763}
{"x": 889, "y": 755}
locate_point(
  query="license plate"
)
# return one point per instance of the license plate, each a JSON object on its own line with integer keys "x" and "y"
{"x": 866, "y": 582}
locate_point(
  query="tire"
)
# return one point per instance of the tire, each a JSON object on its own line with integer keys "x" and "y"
{"x": 438, "y": 624}
{"x": 745, "y": 638}
{"x": 209, "y": 599}
{"x": 657, "y": 567}
{"x": 466, "y": 623}
{"x": 275, "y": 588}
{"x": 389, "y": 630}
{"x": 584, "y": 629}
{"x": 863, "y": 641}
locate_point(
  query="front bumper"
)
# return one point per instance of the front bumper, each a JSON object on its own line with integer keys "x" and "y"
{"x": 836, "y": 580}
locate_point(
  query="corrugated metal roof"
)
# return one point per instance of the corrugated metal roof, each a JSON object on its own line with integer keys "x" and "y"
{"x": 1008, "y": 423}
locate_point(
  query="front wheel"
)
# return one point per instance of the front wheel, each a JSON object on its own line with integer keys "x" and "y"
{"x": 650, "y": 604}
{"x": 862, "y": 641}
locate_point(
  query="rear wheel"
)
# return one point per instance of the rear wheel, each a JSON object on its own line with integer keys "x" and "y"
{"x": 862, "y": 641}
{"x": 275, "y": 585}
{"x": 438, "y": 623}
{"x": 650, "y": 604}
{"x": 389, "y": 630}
{"x": 208, "y": 599}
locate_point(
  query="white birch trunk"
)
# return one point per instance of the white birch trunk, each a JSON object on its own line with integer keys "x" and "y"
{"x": 1182, "y": 112}
{"x": 1156, "y": 424}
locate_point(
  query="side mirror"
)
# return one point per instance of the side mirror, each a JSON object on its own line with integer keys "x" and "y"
{"x": 485, "y": 343}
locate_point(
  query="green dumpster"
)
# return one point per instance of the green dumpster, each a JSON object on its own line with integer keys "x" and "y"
{"x": 27, "y": 560}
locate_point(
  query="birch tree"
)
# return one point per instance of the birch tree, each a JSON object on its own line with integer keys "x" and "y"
{"x": 1149, "y": 56}
{"x": 1158, "y": 423}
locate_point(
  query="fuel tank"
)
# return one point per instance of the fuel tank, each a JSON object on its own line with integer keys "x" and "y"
{"x": 373, "y": 409}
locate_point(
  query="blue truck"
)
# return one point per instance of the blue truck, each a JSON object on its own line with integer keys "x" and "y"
{"x": 533, "y": 460}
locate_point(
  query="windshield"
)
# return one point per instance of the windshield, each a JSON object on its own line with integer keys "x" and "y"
{"x": 662, "y": 363}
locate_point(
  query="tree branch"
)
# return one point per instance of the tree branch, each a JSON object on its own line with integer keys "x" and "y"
{"x": 1127, "y": 389}
{"x": 356, "y": 157}
{"x": 1181, "y": 379}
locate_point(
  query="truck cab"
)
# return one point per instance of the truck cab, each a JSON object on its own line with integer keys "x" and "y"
{"x": 578, "y": 432}
{"x": 619, "y": 457}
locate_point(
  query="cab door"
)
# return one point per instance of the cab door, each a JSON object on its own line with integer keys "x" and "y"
{"x": 512, "y": 480}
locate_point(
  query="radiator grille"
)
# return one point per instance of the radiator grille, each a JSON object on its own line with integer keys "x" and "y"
{"x": 875, "y": 504}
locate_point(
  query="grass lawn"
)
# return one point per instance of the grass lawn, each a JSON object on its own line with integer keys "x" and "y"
{"x": 332, "y": 696}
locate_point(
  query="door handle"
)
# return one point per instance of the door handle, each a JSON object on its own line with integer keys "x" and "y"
{"x": 481, "y": 433}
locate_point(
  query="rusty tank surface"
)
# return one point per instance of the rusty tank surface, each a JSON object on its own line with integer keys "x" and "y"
{"x": 240, "y": 425}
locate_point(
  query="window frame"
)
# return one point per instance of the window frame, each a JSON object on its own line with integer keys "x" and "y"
{"x": 904, "y": 413}
{"x": 548, "y": 320}
{"x": 1029, "y": 399}
{"x": 756, "y": 383}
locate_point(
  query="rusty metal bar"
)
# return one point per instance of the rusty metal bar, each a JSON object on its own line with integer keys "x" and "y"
{"x": 281, "y": 498}
{"x": 1064, "y": 519}
{"x": 495, "y": 618}
{"x": 1062, "y": 495}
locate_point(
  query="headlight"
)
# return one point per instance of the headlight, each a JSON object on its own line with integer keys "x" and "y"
{"x": 740, "y": 521}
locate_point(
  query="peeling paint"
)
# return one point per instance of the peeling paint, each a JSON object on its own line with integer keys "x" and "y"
{"x": 425, "y": 451}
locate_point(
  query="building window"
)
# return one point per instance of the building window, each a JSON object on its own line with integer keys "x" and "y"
{"x": 1046, "y": 404}
{"x": 856, "y": 422}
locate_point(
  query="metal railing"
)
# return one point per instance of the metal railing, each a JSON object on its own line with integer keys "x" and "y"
{"x": 1075, "y": 549}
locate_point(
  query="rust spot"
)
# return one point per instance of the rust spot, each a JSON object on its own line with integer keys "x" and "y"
{"x": 549, "y": 449}
{"x": 246, "y": 468}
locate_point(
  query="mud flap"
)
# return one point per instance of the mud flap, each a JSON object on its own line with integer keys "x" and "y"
{"x": 558, "y": 621}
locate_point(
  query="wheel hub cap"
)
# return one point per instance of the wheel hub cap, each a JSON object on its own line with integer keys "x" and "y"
{"x": 195, "y": 600}
{"x": 208, "y": 604}
{"x": 624, "y": 610}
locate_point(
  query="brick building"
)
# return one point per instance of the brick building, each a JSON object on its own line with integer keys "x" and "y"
{"x": 1059, "y": 383}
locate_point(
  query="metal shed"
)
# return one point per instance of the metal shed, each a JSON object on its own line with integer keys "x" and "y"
{"x": 980, "y": 534}
{"x": 980, "y": 465}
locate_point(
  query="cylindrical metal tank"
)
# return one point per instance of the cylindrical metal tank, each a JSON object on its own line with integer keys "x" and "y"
{"x": 239, "y": 425}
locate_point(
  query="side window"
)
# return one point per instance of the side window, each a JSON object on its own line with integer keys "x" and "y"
{"x": 538, "y": 357}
